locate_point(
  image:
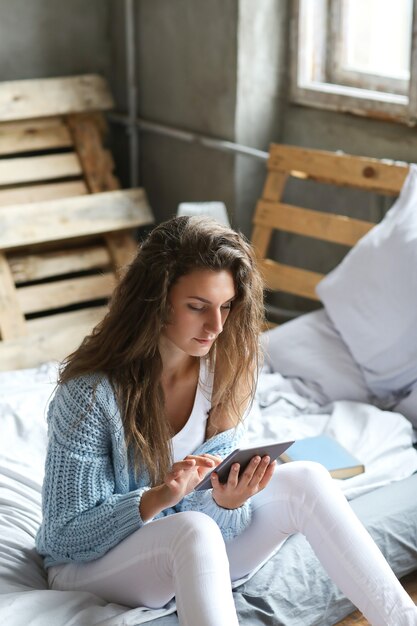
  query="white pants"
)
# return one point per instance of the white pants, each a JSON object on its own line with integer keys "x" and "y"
{"x": 184, "y": 555}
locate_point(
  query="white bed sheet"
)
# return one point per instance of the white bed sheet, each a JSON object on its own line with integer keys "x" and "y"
{"x": 381, "y": 439}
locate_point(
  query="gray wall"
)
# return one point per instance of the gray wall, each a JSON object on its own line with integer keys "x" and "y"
{"x": 45, "y": 38}
{"x": 186, "y": 78}
{"x": 205, "y": 67}
{"x": 261, "y": 95}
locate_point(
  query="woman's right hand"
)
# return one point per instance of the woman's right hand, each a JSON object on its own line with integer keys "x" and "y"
{"x": 180, "y": 480}
{"x": 186, "y": 474}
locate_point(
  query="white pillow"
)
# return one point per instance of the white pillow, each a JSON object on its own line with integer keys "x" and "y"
{"x": 371, "y": 297}
{"x": 310, "y": 349}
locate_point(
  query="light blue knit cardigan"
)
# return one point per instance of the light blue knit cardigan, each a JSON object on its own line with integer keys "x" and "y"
{"x": 88, "y": 502}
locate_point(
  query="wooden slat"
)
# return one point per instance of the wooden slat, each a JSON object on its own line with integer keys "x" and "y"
{"x": 274, "y": 185}
{"x": 97, "y": 163}
{"x": 54, "y": 295}
{"x": 98, "y": 168}
{"x": 325, "y": 226}
{"x": 37, "y": 193}
{"x": 268, "y": 326}
{"x": 122, "y": 249}
{"x": 49, "y": 338}
{"x": 273, "y": 190}
{"x": 31, "y": 169}
{"x": 33, "y": 135}
{"x": 339, "y": 169}
{"x": 260, "y": 238}
{"x": 26, "y": 99}
{"x": 67, "y": 218}
{"x": 12, "y": 321}
{"x": 299, "y": 282}
{"x": 30, "y": 267}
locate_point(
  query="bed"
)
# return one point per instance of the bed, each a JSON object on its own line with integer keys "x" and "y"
{"x": 60, "y": 257}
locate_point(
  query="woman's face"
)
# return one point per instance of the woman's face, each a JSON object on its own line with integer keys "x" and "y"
{"x": 200, "y": 303}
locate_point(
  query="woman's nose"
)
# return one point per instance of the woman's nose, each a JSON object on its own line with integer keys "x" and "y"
{"x": 214, "y": 322}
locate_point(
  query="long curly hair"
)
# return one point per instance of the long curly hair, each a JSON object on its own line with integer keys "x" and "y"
{"x": 124, "y": 346}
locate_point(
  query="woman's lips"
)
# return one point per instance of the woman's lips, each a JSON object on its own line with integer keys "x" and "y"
{"x": 204, "y": 341}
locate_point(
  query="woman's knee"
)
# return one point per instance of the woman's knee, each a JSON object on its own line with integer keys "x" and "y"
{"x": 196, "y": 527}
{"x": 304, "y": 475}
{"x": 198, "y": 540}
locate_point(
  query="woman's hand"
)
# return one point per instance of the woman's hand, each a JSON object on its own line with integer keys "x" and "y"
{"x": 181, "y": 480}
{"x": 186, "y": 474}
{"x": 237, "y": 490}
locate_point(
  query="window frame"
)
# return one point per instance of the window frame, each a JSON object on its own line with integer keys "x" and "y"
{"x": 318, "y": 91}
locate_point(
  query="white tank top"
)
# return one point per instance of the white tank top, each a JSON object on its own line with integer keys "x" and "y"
{"x": 193, "y": 432}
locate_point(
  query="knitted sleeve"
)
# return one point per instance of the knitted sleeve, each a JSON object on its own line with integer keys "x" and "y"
{"x": 230, "y": 521}
{"x": 85, "y": 513}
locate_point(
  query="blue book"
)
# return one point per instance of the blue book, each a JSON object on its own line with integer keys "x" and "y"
{"x": 327, "y": 451}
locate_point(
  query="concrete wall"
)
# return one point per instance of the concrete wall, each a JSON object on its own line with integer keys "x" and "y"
{"x": 205, "y": 67}
{"x": 45, "y": 38}
{"x": 261, "y": 95}
{"x": 186, "y": 54}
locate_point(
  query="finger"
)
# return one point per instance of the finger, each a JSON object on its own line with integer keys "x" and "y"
{"x": 250, "y": 470}
{"x": 260, "y": 471}
{"x": 267, "y": 476}
{"x": 233, "y": 478}
{"x": 200, "y": 460}
{"x": 173, "y": 475}
{"x": 215, "y": 482}
{"x": 183, "y": 465}
{"x": 214, "y": 457}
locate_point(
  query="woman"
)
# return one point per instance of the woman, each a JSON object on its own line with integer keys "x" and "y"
{"x": 145, "y": 408}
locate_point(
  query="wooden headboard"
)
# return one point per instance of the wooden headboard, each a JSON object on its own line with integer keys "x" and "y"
{"x": 65, "y": 225}
{"x": 380, "y": 176}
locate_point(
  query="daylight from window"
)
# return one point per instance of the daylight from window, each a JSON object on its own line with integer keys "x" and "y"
{"x": 377, "y": 37}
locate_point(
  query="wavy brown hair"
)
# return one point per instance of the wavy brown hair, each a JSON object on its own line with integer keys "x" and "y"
{"x": 125, "y": 344}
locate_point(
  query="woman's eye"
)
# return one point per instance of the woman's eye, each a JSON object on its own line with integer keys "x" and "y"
{"x": 224, "y": 307}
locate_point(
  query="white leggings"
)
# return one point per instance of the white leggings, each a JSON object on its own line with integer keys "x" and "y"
{"x": 184, "y": 555}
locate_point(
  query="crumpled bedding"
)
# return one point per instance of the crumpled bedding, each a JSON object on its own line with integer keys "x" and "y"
{"x": 381, "y": 440}
{"x": 291, "y": 589}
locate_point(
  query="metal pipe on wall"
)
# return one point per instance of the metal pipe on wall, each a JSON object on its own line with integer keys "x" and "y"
{"x": 131, "y": 92}
{"x": 188, "y": 136}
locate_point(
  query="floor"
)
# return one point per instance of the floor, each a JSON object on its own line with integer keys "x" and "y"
{"x": 357, "y": 619}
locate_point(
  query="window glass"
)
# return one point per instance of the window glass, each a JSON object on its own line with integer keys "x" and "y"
{"x": 376, "y": 37}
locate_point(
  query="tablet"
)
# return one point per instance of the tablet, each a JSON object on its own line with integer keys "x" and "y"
{"x": 243, "y": 456}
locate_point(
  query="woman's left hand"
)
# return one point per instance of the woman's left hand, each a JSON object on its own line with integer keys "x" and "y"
{"x": 238, "y": 489}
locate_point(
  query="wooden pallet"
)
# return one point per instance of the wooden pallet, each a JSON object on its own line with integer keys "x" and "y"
{"x": 65, "y": 224}
{"x": 383, "y": 177}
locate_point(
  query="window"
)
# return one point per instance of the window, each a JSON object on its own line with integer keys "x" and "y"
{"x": 357, "y": 56}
